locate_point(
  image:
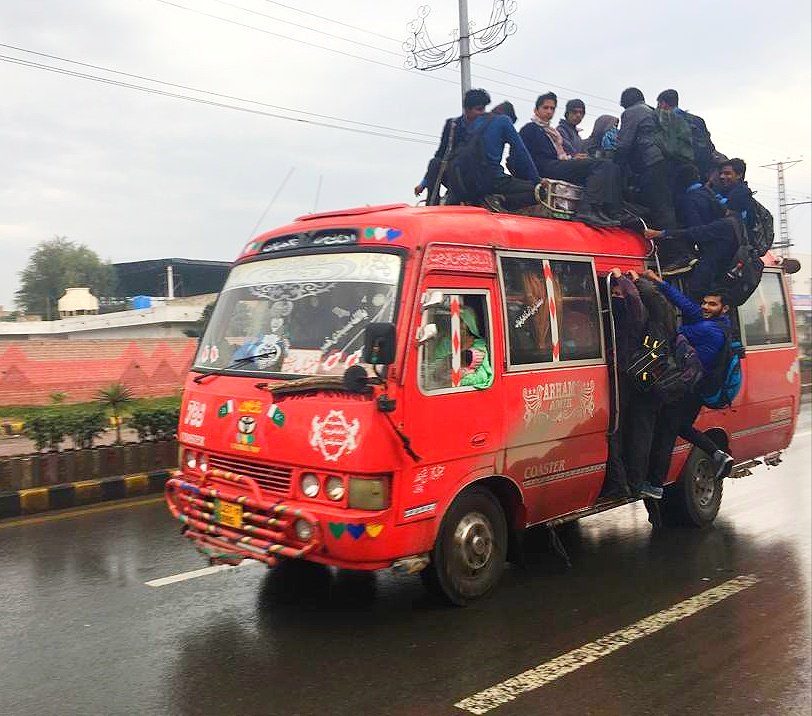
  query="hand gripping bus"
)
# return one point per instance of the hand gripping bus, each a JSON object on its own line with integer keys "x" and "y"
{"x": 412, "y": 387}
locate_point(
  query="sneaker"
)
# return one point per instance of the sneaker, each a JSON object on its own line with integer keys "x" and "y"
{"x": 653, "y": 491}
{"x": 723, "y": 464}
{"x": 493, "y": 202}
{"x": 682, "y": 266}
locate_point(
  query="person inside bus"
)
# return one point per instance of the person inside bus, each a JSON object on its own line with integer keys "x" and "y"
{"x": 601, "y": 143}
{"x": 602, "y": 198}
{"x": 454, "y": 132}
{"x": 574, "y": 112}
{"x": 637, "y": 151}
{"x": 705, "y": 327}
{"x": 476, "y": 369}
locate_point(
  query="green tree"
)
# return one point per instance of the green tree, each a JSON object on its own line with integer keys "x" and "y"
{"x": 115, "y": 397}
{"x": 55, "y": 265}
{"x": 201, "y": 323}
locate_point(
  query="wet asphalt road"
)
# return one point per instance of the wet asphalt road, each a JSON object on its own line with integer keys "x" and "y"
{"x": 81, "y": 633}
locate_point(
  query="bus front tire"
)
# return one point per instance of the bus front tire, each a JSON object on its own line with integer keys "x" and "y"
{"x": 694, "y": 500}
{"x": 471, "y": 547}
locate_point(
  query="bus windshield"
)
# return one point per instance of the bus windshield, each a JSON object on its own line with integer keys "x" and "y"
{"x": 299, "y": 315}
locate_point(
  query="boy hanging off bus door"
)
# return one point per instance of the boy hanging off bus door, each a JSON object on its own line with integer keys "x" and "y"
{"x": 706, "y": 327}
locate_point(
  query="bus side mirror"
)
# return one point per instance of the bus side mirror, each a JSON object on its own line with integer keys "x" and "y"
{"x": 431, "y": 298}
{"x": 379, "y": 344}
{"x": 426, "y": 333}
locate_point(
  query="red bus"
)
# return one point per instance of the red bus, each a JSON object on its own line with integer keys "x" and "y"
{"x": 333, "y": 412}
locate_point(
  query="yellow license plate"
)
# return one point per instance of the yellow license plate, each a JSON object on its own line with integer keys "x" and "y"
{"x": 228, "y": 513}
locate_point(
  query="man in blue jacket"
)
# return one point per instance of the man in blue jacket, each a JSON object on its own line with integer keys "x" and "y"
{"x": 706, "y": 327}
{"x": 454, "y": 131}
{"x": 494, "y": 188}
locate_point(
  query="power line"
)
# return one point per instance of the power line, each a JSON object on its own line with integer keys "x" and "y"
{"x": 199, "y": 100}
{"x": 208, "y": 92}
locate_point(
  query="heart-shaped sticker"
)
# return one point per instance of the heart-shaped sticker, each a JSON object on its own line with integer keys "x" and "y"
{"x": 337, "y": 528}
{"x": 355, "y": 530}
{"x": 392, "y": 234}
{"x": 374, "y": 530}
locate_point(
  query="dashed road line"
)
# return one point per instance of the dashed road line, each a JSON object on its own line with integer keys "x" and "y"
{"x": 195, "y": 573}
{"x": 548, "y": 672}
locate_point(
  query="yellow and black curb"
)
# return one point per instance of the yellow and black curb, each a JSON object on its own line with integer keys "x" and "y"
{"x": 76, "y": 494}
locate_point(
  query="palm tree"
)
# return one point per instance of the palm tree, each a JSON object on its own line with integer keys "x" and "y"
{"x": 114, "y": 397}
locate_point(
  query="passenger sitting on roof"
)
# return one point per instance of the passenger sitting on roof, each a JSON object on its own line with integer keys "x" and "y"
{"x": 453, "y": 135}
{"x": 481, "y": 172}
{"x": 568, "y": 128}
{"x": 603, "y": 138}
{"x": 602, "y": 198}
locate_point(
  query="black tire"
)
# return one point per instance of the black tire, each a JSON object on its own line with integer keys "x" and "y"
{"x": 469, "y": 554}
{"x": 695, "y": 498}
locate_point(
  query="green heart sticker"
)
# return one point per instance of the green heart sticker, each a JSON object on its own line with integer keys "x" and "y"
{"x": 337, "y": 528}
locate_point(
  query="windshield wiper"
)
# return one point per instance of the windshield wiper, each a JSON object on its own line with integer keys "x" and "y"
{"x": 236, "y": 363}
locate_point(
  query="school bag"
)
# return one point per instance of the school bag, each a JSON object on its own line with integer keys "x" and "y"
{"x": 745, "y": 269}
{"x": 467, "y": 173}
{"x": 761, "y": 231}
{"x": 648, "y": 363}
{"x": 700, "y": 140}
{"x": 719, "y": 387}
{"x": 673, "y": 136}
{"x": 684, "y": 371}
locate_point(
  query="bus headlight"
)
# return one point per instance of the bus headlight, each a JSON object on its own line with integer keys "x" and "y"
{"x": 203, "y": 463}
{"x": 369, "y": 493}
{"x": 190, "y": 459}
{"x": 334, "y": 487}
{"x": 304, "y": 530}
{"x": 310, "y": 484}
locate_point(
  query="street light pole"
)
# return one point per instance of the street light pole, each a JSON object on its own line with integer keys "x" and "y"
{"x": 465, "y": 48}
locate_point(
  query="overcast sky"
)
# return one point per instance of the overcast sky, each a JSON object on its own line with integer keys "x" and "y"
{"x": 136, "y": 175}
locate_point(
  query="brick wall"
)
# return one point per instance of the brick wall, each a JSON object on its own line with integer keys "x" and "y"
{"x": 31, "y": 370}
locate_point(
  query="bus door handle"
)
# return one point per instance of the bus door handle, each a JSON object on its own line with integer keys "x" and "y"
{"x": 479, "y": 439}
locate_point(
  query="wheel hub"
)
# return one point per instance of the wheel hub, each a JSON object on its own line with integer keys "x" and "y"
{"x": 474, "y": 540}
{"x": 704, "y": 483}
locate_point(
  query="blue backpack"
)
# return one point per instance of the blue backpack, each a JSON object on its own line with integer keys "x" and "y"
{"x": 719, "y": 388}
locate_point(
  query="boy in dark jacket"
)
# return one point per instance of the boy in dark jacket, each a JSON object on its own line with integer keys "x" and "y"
{"x": 454, "y": 132}
{"x": 637, "y": 150}
{"x": 705, "y": 327}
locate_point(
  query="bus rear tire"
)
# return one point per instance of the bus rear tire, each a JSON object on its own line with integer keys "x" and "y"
{"x": 471, "y": 547}
{"x": 694, "y": 500}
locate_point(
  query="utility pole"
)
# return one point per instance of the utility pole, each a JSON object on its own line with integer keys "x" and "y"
{"x": 783, "y": 244}
{"x": 465, "y": 48}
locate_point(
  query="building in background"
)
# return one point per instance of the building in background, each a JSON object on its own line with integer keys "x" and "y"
{"x": 171, "y": 278}
{"x": 78, "y": 302}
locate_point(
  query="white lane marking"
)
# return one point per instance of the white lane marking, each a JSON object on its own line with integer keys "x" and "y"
{"x": 545, "y": 673}
{"x": 195, "y": 573}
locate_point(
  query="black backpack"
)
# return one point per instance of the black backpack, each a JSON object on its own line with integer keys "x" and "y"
{"x": 467, "y": 173}
{"x": 683, "y": 371}
{"x": 761, "y": 231}
{"x": 744, "y": 273}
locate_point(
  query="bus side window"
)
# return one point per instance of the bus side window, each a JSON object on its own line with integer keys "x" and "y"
{"x": 435, "y": 366}
{"x": 573, "y": 307}
{"x": 764, "y": 315}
